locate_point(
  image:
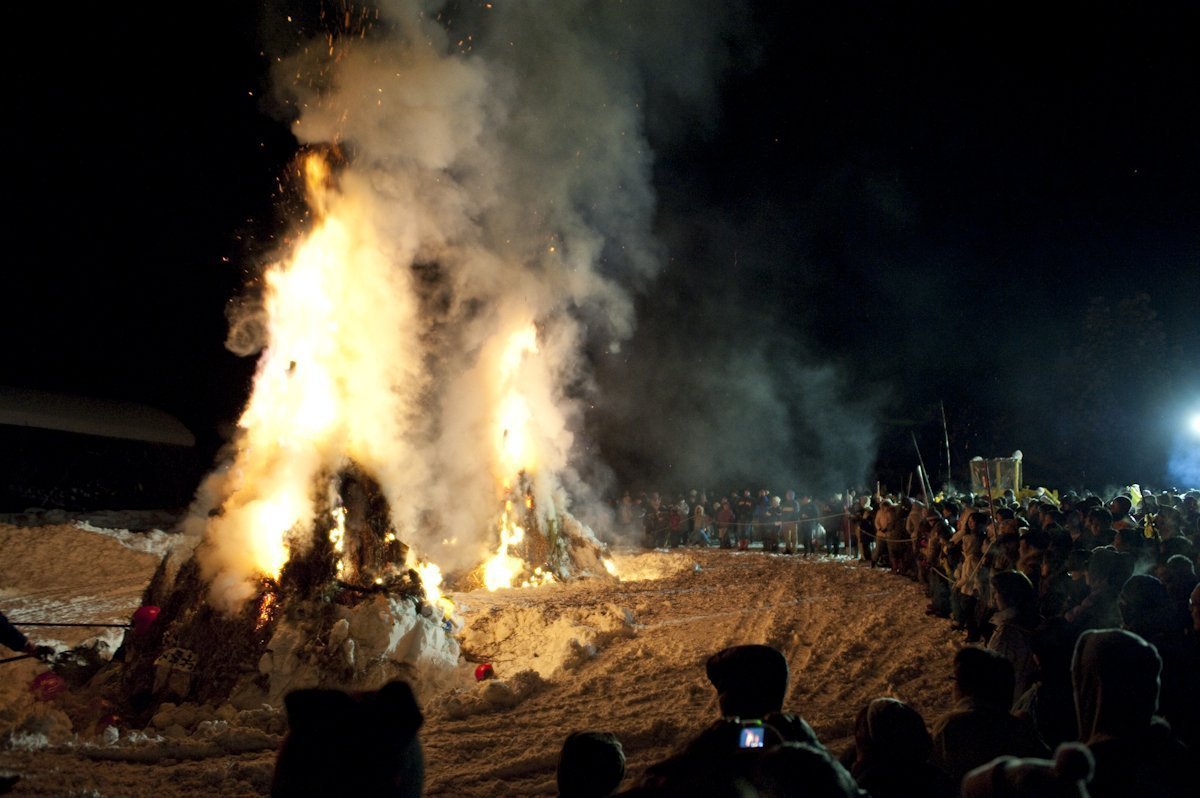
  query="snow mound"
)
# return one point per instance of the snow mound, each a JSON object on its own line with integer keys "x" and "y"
{"x": 154, "y": 541}
{"x": 489, "y": 696}
{"x": 545, "y": 637}
{"x": 645, "y": 566}
{"x": 366, "y": 647}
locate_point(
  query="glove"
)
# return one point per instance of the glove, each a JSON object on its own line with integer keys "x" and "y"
{"x": 44, "y": 653}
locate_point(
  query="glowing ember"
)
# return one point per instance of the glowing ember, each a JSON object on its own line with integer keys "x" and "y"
{"x": 540, "y": 576}
{"x": 337, "y": 536}
{"x": 611, "y": 567}
{"x": 266, "y": 609}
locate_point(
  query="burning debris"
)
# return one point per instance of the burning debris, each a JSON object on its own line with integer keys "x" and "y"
{"x": 349, "y": 609}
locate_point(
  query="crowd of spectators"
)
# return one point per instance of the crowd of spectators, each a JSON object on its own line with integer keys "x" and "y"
{"x": 1079, "y": 672}
{"x": 790, "y": 523}
{"x": 1061, "y": 601}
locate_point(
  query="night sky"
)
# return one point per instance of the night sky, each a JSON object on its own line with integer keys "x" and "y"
{"x": 887, "y": 207}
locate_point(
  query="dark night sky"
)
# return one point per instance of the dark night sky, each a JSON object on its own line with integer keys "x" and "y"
{"x": 924, "y": 197}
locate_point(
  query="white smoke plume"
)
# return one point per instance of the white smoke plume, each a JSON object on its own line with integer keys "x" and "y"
{"x": 498, "y": 181}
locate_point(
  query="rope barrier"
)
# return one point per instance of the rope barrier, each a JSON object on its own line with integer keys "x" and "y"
{"x": 745, "y": 524}
{"x": 47, "y": 623}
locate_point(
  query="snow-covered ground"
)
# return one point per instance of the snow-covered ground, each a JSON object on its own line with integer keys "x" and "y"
{"x": 623, "y": 657}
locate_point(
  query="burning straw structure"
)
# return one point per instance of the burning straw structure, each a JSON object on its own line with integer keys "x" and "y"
{"x": 473, "y": 203}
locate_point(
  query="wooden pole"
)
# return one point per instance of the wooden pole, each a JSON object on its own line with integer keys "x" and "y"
{"x": 920, "y": 459}
{"x": 946, "y": 437}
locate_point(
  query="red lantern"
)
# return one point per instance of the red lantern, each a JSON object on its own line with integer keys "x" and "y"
{"x": 484, "y": 672}
{"x": 144, "y": 618}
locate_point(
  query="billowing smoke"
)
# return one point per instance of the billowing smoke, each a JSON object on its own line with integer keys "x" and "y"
{"x": 493, "y": 214}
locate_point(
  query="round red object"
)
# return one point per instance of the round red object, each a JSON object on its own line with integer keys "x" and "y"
{"x": 47, "y": 685}
{"x": 144, "y": 618}
{"x": 484, "y": 671}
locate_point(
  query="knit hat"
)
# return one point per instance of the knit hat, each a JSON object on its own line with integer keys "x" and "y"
{"x": 1065, "y": 777}
{"x": 750, "y": 680}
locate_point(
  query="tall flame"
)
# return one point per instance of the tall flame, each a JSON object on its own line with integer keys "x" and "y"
{"x": 327, "y": 389}
{"x": 513, "y": 448}
{"x": 515, "y": 455}
{"x": 502, "y": 569}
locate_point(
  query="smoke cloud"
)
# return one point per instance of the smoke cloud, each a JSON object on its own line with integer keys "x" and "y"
{"x": 498, "y": 189}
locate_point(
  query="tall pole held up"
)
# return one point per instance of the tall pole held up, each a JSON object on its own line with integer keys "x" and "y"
{"x": 946, "y": 437}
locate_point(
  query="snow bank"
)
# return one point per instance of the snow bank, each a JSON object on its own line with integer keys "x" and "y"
{"x": 542, "y": 637}
{"x": 368, "y": 645}
{"x": 154, "y": 541}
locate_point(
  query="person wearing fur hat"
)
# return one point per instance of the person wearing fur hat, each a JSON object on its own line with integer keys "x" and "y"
{"x": 1067, "y": 776}
{"x": 341, "y": 743}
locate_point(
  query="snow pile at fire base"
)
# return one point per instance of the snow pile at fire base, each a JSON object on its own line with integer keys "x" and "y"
{"x": 369, "y": 644}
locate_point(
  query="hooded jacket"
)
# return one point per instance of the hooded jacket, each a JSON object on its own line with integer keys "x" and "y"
{"x": 1115, "y": 675}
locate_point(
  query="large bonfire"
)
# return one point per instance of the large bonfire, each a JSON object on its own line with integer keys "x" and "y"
{"x": 419, "y": 339}
{"x": 302, "y": 574}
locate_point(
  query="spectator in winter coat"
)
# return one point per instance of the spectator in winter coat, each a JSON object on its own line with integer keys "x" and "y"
{"x": 768, "y": 517}
{"x": 807, "y": 513}
{"x": 725, "y": 524}
{"x": 744, "y": 511}
{"x": 1147, "y": 612}
{"x": 788, "y": 510}
{"x": 751, "y": 681}
{"x": 590, "y": 765}
{"x": 980, "y": 727}
{"x": 1008, "y": 777}
{"x": 1015, "y": 619}
{"x": 939, "y": 568}
{"x": 1050, "y": 702}
{"x": 799, "y": 770}
{"x": 888, "y": 524}
{"x": 891, "y": 753}
{"x": 966, "y": 583}
{"x": 862, "y": 521}
{"x": 1107, "y": 571}
{"x": 1030, "y": 550}
{"x": 1179, "y": 576}
{"x": 340, "y": 743}
{"x": 1115, "y": 674}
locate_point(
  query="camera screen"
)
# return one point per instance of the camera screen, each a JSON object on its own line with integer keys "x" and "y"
{"x": 752, "y": 737}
